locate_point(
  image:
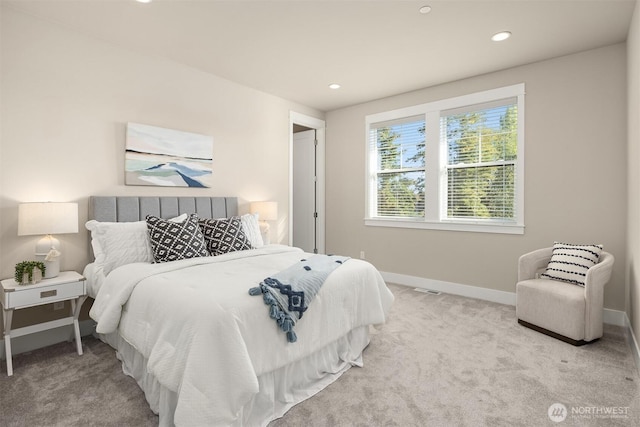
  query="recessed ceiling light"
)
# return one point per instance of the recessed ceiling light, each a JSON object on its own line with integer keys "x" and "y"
{"x": 425, "y": 9}
{"x": 143, "y": 1}
{"x": 334, "y": 86}
{"x": 502, "y": 35}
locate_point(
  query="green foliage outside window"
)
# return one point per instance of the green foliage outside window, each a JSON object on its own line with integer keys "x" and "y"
{"x": 481, "y": 168}
{"x": 401, "y": 170}
{"x": 481, "y": 158}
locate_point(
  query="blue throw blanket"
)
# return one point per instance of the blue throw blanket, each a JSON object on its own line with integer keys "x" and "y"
{"x": 289, "y": 292}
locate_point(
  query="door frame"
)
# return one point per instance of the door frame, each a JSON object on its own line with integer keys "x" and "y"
{"x": 319, "y": 125}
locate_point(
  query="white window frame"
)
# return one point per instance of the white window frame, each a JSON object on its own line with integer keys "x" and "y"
{"x": 435, "y": 172}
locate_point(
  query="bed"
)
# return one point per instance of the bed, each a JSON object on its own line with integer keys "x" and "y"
{"x": 203, "y": 350}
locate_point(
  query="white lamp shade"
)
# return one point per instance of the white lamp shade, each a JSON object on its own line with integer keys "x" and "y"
{"x": 267, "y": 211}
{"x": 47, "y": 218}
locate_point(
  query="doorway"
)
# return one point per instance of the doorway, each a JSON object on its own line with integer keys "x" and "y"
{"x": 304, "y": 189}
{"x": 306, "y": 183}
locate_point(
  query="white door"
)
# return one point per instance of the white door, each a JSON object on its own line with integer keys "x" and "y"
{"x": 304, "y": 190}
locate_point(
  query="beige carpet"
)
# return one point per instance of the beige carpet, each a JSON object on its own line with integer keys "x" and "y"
{"x": 440, "y": 361}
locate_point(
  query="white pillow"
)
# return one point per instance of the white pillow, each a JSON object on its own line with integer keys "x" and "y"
{"x": 570, "y": 263}
{"x": 118, "y": 243}
{"x": 251, "y": 229}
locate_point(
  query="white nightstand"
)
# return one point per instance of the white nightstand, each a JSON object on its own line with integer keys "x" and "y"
{"x": 68, "y": 285}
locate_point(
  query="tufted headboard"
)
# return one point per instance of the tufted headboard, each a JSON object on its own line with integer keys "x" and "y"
{"x": 129, "y": 208}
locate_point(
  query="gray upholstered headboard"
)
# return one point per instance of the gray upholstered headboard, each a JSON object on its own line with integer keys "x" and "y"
{"x": 128, "y": 208}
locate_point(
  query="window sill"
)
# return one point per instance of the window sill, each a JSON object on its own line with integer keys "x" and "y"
{"x": 475, "y": 227}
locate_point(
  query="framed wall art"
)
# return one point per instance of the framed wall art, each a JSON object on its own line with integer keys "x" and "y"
{"x": 167, "y": 157}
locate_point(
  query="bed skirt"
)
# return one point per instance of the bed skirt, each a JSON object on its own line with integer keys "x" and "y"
{"x": 279, "y": 390}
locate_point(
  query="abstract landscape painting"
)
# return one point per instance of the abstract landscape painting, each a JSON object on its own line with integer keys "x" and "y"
{"x": 166, "y": 157}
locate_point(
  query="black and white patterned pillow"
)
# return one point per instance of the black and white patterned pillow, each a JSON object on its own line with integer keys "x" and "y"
{"x": 569, "y": 263}
{"x": 172, "y": 241}
{"x": 224, "y": 235}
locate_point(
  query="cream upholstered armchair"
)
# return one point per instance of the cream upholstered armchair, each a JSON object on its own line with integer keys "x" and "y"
{"x": 559, "y": 309}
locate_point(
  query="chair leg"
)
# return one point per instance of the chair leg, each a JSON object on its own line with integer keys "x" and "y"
{"x": 555, "y": 335}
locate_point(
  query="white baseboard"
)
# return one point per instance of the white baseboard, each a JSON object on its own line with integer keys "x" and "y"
{"x": 633, "y": 342}
{"x": 612, "y": 317}
{"x": 476, "y": 292}
{"x": 46, "y": 338}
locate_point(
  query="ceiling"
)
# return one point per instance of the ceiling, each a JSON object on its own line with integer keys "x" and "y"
{"x": 373, "y": 49}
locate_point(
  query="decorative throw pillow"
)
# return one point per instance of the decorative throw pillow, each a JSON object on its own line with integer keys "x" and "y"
{"x": 569, "y": 263}
{"x": 251, "y": 229}
{"x": 172, "y": 241}
{"x": 224, "y": 235}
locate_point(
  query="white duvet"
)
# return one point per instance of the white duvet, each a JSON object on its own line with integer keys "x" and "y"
{"x": 208, "y": 340}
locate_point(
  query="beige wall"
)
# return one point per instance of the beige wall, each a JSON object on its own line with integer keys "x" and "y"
{"x": 575, "y": 165}
{"x": 1, "y": 122}
{"x": 633, "y": 257}
{"x": 66, "y": 99}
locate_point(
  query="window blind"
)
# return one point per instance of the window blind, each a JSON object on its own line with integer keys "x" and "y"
{"x": 399, "y": 170}
{"x": 481, "y": 160}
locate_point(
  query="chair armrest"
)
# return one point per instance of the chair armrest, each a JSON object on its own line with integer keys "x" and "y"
{"x": 530, "y": 263}
{"x": 595, "y": 280}
{"x": 598, "y": 275}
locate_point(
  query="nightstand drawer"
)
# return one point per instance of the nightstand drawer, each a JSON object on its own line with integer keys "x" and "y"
{"x": 23, "y": 297}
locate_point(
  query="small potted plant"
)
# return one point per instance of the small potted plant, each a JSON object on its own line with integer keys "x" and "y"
{"x": 29, "y": 272}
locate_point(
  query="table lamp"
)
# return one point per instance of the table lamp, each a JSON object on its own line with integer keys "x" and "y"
{"x": 267, "y": 211}
{"x": 48, "y": 218}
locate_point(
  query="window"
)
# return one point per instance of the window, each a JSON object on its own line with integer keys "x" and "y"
{"x": 398, "y": 148}
{"x": 455, "y": 164}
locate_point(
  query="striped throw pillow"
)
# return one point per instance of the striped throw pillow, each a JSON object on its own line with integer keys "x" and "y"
{"x": 569, "y": 263}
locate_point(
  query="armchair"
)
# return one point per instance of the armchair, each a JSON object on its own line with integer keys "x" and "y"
{"x": 562, "y": 310}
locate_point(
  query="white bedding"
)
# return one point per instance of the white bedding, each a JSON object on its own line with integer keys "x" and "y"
{"x": 95, "y": 277}
{"x": 208, "y": 340}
